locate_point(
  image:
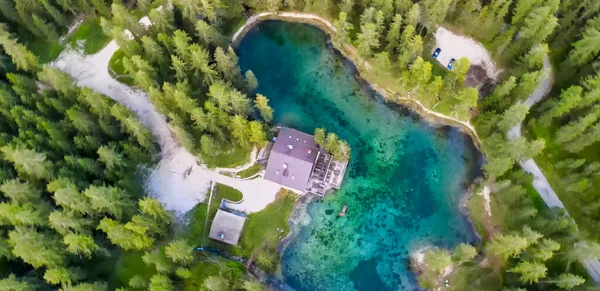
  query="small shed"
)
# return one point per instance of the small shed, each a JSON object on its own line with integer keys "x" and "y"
{"x": 227, "y": 227}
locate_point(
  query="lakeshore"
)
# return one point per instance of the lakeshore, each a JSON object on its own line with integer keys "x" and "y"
{"x": 405, "y": 182}
{"x": 350, "y": 53}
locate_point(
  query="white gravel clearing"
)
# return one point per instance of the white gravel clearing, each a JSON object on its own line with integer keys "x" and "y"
{"x": 166, "y": 182}
{"x": 458, "y": 46}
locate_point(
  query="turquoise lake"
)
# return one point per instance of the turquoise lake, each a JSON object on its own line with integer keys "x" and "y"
{"x": 403, "y": 185}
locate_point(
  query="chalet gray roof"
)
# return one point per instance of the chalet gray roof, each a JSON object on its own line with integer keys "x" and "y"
{"x": 292, "y": 158}
{"x": 227, "y": 227}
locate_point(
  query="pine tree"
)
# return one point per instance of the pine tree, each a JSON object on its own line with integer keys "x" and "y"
{"x": 569, "y": 99}
{"x": 587, "y": 138}
{"x": 215, "y": 283}
{"x": 587, "y": 48}
{"x": 346, "y": 6}
{"x": 162, "y": 20}
{"x": 152, "y": 49}
{"x": 342, "y": 28}
{"x": 219, "y": 92}
{"x": 546, "y": 249}
{"x": 29, "y": 164}
{"x": 257, "y": 134}
{"x": 159, "y": 260}
{"x": 434, "y": 13}
{"x": 393, "y": 36}
{"x": 464, "y": 253}
{"x": 513, "y": 116}
{"x": 468, "y": 99}
{"x": 227, "y": 63}
{"x": 159, "y": 282}
{"x": 251, "y": 82}
{"x": 207, "y": 33}
{"x": 320, "y": 137}
{"x": 531, "y": 272}
{"x": 109, "y": 200}
{"x": 413, "y": 15}
{"x": 23, "y": 58}
{"x": 507, "y": 246}
{"x": 181, "y": 42}
{"x": 57, "y": 276}
{"x": 39, "y": 249}
{"x": 180, "y": 67}
{"x": 577, "y": 127}
{"x": 20, "y": 192}
{"x": 367, "y": 39}
{"x": 240, "y": 130}
{"x": 437, "y": 259}
{"x": 240, "y": 104}
{"x": 567, "y": 281}
{"x": 411, "y": 46}
{"x": 180, "y": 252}
{"x": 80, "y": 244}
{"x": 208, "y": 145}
{"x": 125, "y": 20}
{"x": 46, "y": 30}
{"x": 53, "y": 12}
{"x": 65, "y": 222}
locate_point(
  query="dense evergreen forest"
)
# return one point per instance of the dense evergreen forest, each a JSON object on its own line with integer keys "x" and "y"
{"x": 73, "y": 162}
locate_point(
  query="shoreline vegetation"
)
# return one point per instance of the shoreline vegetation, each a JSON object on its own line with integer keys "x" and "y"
{"x": 350, "y": 53}
{"x": 436, "y": 119}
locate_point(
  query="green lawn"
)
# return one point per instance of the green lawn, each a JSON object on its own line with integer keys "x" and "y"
{"x": 261, "y": 227}
{"x": 197, "y": 216}
{"x": 250, "y": 171}
{"x": 230, "y": 157}
{"x": 131, "y": 264}
{"x": 469, "y": 277}
{"x": 215, "y": 266}
{"x": 117, "y": 70}
{"x": 476, "y": 209}
{"x": 230, "y": 26}
{"x": 45, "y": 51}
{"x": 90, "y": 33}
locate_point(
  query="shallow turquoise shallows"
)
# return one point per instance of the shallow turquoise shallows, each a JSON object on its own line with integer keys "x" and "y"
{"x": 404, "y": 181}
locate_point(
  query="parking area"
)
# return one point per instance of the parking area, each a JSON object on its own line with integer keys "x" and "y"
{"x": 454, "y": 46}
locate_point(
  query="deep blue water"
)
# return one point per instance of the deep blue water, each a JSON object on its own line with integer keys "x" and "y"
{"x": 404, "y": 181}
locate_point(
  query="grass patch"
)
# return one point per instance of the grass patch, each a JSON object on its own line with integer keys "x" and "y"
{"x": 46, "y": 51}
{"x": 230, "y": 157}
{"x": 197, "y": 216}
{"x": 477, "y": 214}
{"x": 131, "y": 264}
{"x": 445, "y": 106}
{"x": 253, "y": 170}
{"x": 230, "y": 26}
{"x": 117, "y": 70}
{"x": 261, "y": 227}
{"x": 233, "y": 272}
{"x": 91, "y": 34}
{"x": 470, "y": 277}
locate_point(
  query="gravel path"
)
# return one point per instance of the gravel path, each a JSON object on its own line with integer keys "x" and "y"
{"x": 167, "y": 182}
{"x": 540, "y": 183}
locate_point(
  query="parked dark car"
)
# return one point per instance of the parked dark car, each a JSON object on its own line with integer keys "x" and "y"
{"x": 436, "y": 53}
{"x": 451, "y": 64}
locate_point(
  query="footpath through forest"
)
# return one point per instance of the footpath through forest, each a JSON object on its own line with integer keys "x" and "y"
{"x": 179, "y": 192}
{"x": 540, "y": 183}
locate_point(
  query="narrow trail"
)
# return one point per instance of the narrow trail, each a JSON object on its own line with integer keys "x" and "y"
{"x": 540, "y": 183}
